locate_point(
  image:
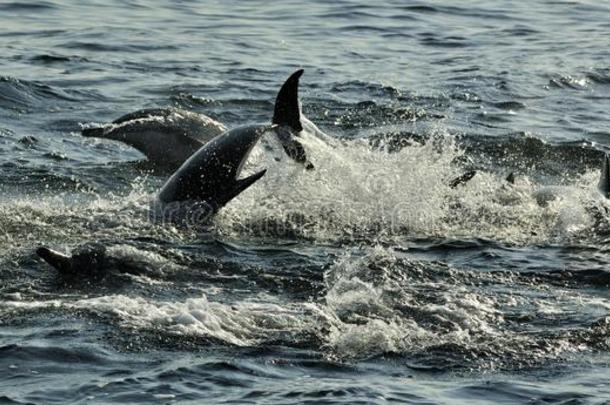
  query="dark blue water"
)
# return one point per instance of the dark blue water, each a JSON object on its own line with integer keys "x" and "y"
{"x": 368, "y": 280}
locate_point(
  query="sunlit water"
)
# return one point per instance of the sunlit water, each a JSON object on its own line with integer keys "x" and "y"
{"x": 366, "y": 280}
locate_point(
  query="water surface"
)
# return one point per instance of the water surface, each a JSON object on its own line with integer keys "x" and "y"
{"x": 364, "y": 281}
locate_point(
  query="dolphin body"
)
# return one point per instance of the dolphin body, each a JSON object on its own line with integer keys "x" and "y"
{"x": 96, "y": 261}
{"x": 210, "y": 178}
{"x": 166, "y": 136}
{"x": 90, "y": 256}
{"x": 91, "y": 259}
{"x": 169, "y": 136}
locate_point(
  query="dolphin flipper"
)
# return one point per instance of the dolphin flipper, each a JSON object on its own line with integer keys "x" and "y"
{"x": 604, "y": 181}
{"x": 292, "y": 147}
{"x": 242, "y": 184}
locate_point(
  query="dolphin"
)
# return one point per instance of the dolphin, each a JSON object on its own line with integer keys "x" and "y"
{"x": 94, "y": 260}
{"x": 466, "y": 177}
{"x": 209, "y": 179}
{"x": 166, "y": 136}
{"x": 90, "y": 257}
{"x": 548, "y": 193}
{"x": 603, "y": 186}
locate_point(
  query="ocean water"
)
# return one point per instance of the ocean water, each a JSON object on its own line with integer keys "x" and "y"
{"x": 367, "y": 280}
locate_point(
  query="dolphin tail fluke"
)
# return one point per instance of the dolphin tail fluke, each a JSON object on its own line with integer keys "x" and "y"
{"x": 58, "y": 260}
{"x": 93, "y": 132}
{"x": 604, "y": 180}
{"x": 287, "y": 111}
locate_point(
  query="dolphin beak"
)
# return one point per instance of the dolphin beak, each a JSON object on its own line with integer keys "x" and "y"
{"x": 58, "y": 260}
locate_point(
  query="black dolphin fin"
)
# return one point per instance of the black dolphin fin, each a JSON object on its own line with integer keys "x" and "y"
{"x": 240, "y": 186}
{"x": 464, "y": 178}
{"x": 58, "y": 260}
{"x": 287, "y": 111}
{"x": 287, "y": 115}
{"x": 604, "y": 181}
{"x": 510, "y": 178}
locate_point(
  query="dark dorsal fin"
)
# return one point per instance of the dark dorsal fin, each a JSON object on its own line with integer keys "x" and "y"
{"x": 511, "y": 178}
{"x": 287, "y": 103}
{"x": 604, "y": 179}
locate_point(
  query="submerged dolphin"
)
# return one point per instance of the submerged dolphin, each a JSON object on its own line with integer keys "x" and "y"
{"x": 462, "y": 179}
{"x": 166, "y": 136}
{"x": 95, "y": 260}
{"x": 169, "y": 136}
{"x": 90, "y": 257}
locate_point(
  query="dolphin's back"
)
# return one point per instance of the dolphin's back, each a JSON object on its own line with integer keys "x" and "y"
{"x": 197, "y": 126}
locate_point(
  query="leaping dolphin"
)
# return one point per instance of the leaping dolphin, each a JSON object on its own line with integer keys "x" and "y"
{"x": 210, "y": 178}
